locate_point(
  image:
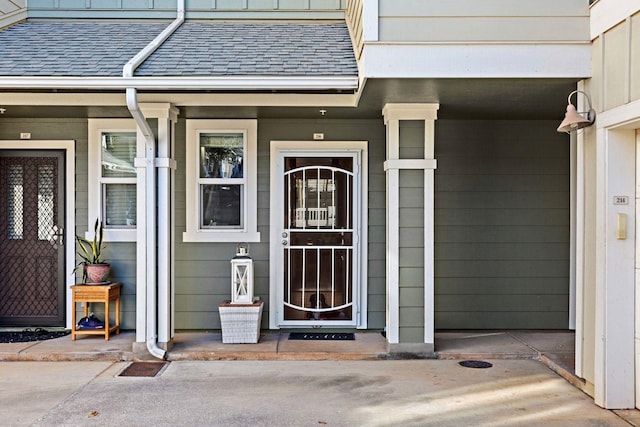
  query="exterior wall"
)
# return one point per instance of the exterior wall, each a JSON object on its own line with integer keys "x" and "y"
{"x": 605, "y": 336}
{"x": 121, "y": 255}
{"x": 203, "y": 270}
{"x": 411, "y": 235}
{"x": 502, "y": 225}
{"x": 492, "y": 20}
{"x": 466, "y": 38}
{"x": 12, "y": 11}
{"x": 207, "y": 9}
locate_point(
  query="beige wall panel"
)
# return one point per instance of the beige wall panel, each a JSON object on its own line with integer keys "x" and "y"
{"x": 595, "y": 84}
{"x": 407, "y": 29}
{"x": 483, "y": 8}
{"x": 635, "y": 57}
{"x": 7, "y": 6}
{"x": 616, "y": 49}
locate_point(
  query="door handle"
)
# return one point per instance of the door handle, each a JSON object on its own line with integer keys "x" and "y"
{"x": 57, "y": 236}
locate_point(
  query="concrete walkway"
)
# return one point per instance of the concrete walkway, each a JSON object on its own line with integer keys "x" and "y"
{"x": 339, "y": 382}
{"x": 295, "y": 393}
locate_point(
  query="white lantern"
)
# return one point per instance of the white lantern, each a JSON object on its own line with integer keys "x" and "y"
{"x": 242, "y": 276}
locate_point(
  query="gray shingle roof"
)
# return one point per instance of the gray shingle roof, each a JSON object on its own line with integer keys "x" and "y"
{"x": 267, "y": 49}
{"x": 100, "y": 49}
{"x": 72, "y": 48}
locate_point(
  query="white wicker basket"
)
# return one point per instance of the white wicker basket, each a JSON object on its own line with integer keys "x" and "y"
{"x": 240, "y": 322}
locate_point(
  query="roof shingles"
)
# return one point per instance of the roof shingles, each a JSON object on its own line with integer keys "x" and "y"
{"x": 72, "y": 48}
{"x": 100, "y": 49}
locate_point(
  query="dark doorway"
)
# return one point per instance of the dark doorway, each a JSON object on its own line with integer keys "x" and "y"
{"x": 32, "y": 256}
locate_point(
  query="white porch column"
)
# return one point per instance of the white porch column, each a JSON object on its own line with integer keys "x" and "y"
{"x": 393, "y": 115}
{"x": 615, "y": 268}
{"x": 159, "y": 197}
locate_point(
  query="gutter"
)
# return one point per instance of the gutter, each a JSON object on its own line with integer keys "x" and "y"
{"x": 146, "y": 241}
{"x": 248, "y": 83}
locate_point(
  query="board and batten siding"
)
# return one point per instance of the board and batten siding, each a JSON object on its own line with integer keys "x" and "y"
{"x": 614, "y": 81}
{"x": 199, "y": 9}
{"x": 488, "y": 20}
{"x": 501, "y": 225}
{"x": 120, "y": 255}
{"x": 203, "y": 270}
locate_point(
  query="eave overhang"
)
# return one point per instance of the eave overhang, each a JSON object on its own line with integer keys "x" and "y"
{"x": 226, "y": 83}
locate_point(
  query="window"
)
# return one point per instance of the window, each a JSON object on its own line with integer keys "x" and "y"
{"x": 221, "y": 181}
{"x": 112, "y": 177}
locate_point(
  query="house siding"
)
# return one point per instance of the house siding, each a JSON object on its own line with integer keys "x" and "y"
{"x": 12, "y": 11}
{"x": 197, "y": 9}
{"x": 120, "y": 255}
{"x": 203, "y": 270}
{"x": 411, "y": 262}
{"x": 491, "y": 20}
{"x": 502, "y": 225}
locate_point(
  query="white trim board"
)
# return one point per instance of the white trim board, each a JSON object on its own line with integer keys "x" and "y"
{"x": 315, "y": 147}
{"x": 458, "y": 60}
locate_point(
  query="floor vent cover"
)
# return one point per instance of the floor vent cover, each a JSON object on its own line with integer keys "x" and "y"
{"x": 478, "y": 364}
{"x": 142, "y": 369}
{"x": 323, "y": 336}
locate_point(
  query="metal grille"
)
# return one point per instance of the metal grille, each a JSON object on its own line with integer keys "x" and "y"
{"x": 28, "y": 261}
{"x": 319, "y": 249}
{"x": 15, "y": 202}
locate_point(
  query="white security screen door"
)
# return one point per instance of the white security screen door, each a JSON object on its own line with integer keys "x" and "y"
{"x": 318, "y": 267}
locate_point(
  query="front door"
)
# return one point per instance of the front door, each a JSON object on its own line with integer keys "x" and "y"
{"x": 32, "y": 256}
{"x": 318, "y": 268}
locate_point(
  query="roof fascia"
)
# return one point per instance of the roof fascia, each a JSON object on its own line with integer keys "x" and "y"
{"x": 181, "y": 83}
{"x": 182, "y": 99}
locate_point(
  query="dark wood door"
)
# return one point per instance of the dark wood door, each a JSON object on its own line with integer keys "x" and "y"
{"x": 31, "y": 245}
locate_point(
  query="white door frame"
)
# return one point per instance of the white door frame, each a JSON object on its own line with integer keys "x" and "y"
{"x": 69, "y": 147}
{"x": 360, "y": 208}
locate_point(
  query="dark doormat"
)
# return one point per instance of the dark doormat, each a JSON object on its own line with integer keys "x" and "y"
{"x": 142, "y": 369}
{"x": 26, "y": 335}
{"x": 323, "y": 336}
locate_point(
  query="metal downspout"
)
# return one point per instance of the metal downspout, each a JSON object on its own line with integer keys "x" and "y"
{"x": 147, "y": 237}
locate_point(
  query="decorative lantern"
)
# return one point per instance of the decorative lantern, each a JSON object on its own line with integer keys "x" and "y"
{"x": 242, "y": 276}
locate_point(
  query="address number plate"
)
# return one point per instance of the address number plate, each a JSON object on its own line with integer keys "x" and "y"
{"x": 620, "y": 200}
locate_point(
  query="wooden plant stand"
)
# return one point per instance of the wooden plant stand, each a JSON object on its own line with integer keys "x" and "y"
{"x": 96, "y": 293}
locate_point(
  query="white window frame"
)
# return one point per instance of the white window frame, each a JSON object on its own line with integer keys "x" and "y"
{"x": 249, "y": 232}
{"x": 96, "y": 128}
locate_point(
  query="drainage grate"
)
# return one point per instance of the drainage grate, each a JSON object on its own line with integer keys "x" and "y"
{"x": 477, "y": 364}
{"x": 324, "y": 336}
{"x": 142, "y": 369}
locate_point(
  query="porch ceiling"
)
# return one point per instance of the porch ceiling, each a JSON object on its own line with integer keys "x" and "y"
{"x": 459, "y": 99}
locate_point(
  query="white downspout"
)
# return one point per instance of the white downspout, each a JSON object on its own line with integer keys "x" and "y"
{"x": 146, "y": 238}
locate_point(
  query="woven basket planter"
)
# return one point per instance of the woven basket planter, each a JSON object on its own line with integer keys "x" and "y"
{"x": 240, "y": 322}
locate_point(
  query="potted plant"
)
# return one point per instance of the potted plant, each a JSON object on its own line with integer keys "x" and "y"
{"x": 95, "y": 270}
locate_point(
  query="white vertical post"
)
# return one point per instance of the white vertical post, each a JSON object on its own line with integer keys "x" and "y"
{"x": 393, "y": 234}
{"x": 141, "y": 237}
{"x": 614, "y": 386}
{"x": 167, "y": 116}
{"x": 429, "y": 234}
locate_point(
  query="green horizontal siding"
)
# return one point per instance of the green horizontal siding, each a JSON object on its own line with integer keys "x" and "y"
{"x": 203, "y": 270}
{"x": 501, "y": 225}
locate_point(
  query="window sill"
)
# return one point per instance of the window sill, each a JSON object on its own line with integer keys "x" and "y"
{"x": 220, "y": 236}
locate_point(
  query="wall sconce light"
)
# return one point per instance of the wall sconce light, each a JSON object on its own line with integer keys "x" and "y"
{"x": 574, "y": 120}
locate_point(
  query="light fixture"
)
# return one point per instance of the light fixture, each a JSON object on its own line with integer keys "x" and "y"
{"x": 574, "y": 120}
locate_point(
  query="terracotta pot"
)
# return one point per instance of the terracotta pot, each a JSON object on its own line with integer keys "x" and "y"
{"x": 97, "y": 273}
